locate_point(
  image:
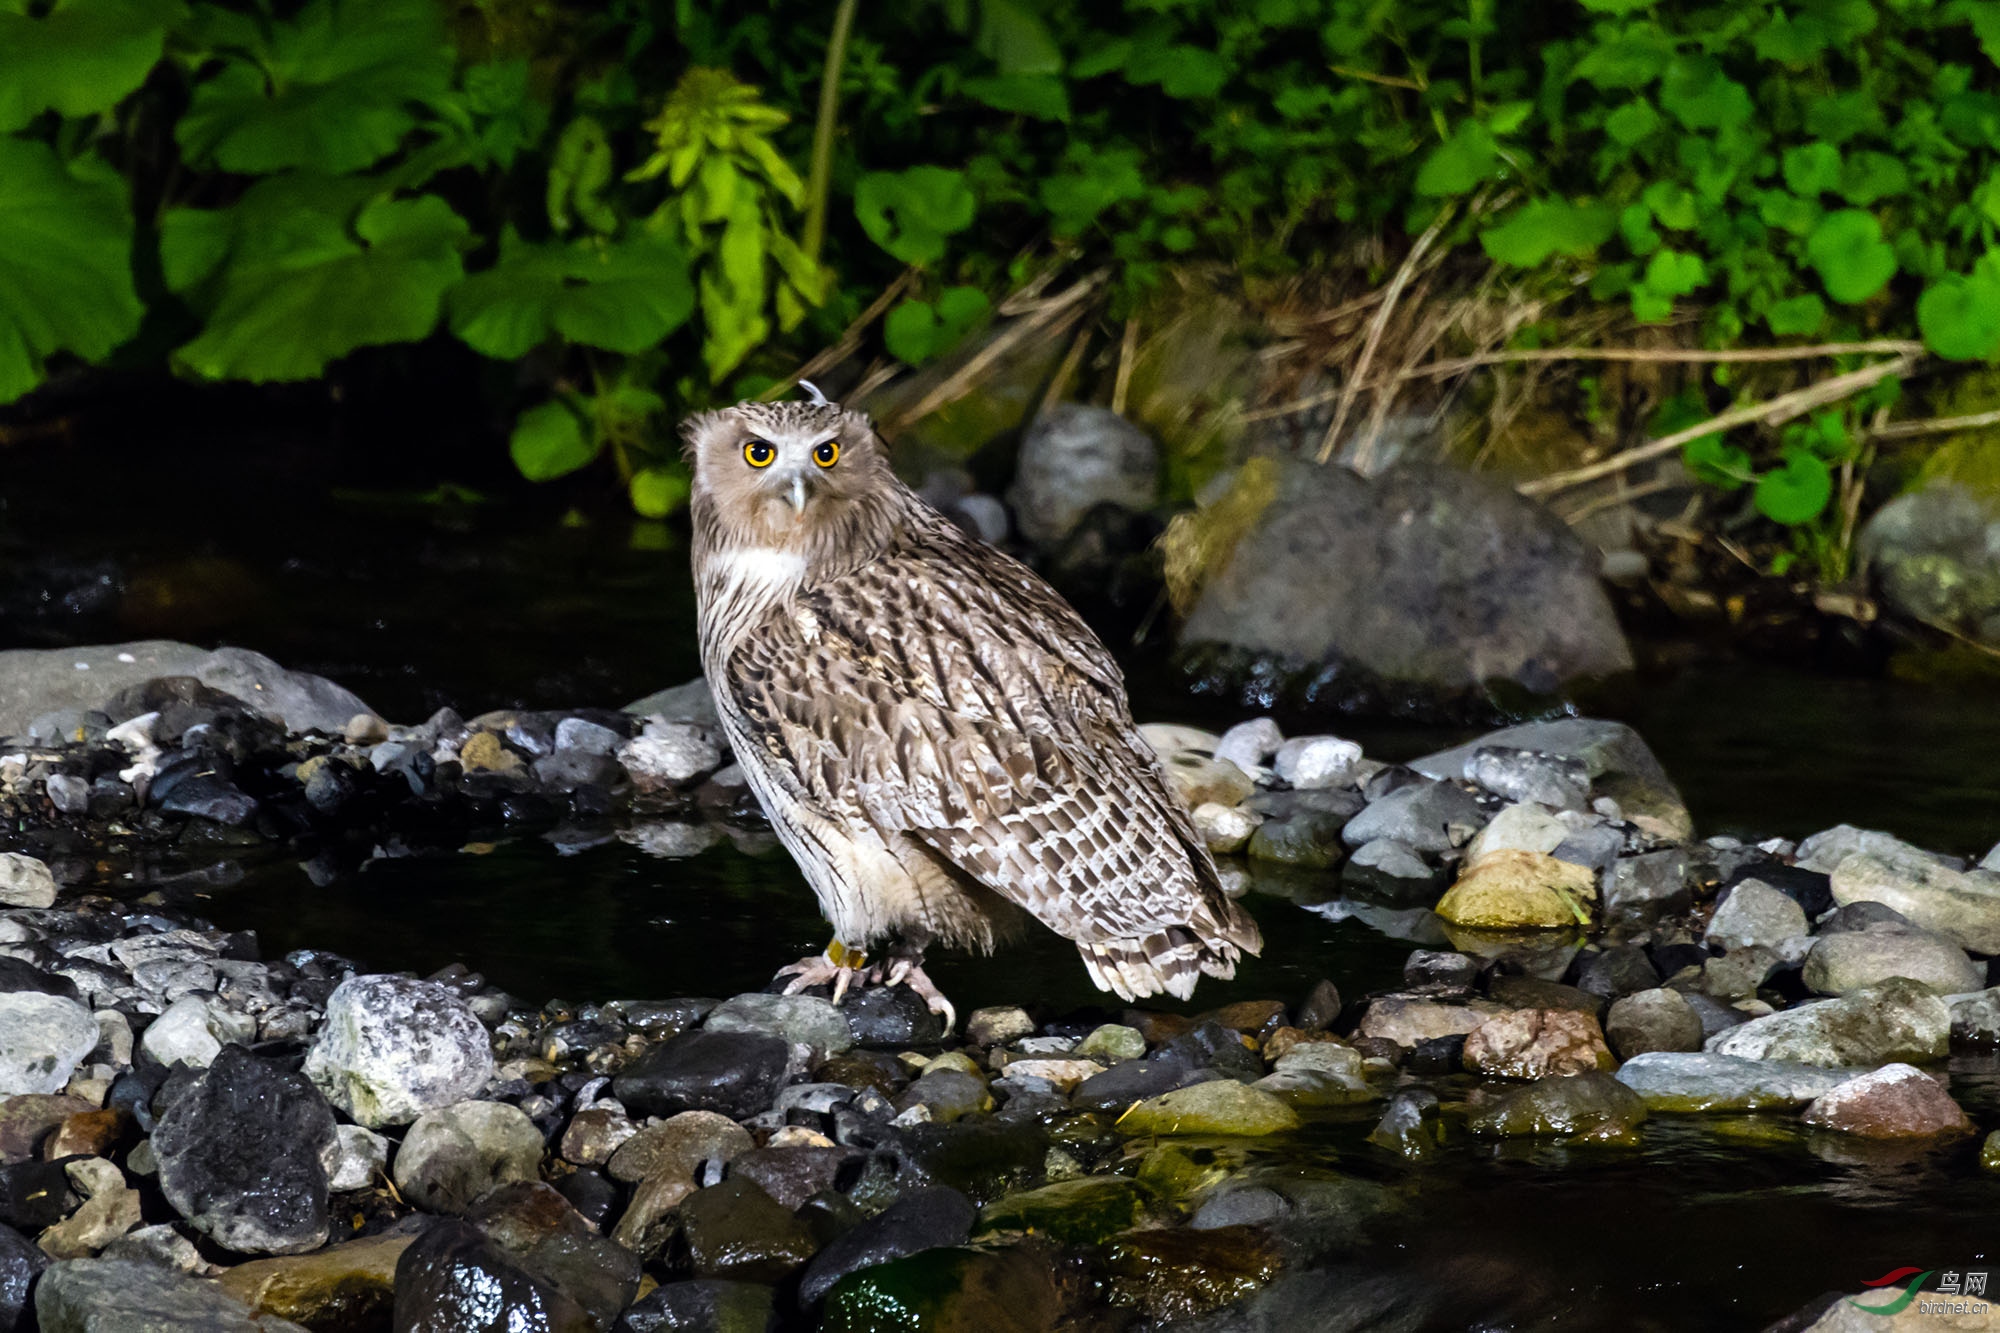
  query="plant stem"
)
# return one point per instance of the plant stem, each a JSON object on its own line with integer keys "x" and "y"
{"x": 819, "y": 180}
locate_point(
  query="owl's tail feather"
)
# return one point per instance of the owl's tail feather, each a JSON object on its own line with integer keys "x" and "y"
{"x": 1171, "y": 960}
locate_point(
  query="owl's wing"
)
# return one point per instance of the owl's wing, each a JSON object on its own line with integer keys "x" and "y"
{"x": 945, "y": 692}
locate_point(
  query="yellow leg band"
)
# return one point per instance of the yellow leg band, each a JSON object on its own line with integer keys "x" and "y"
{"x": 841, "y": 955}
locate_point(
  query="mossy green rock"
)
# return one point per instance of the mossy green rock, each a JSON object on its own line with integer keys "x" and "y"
{"x": 1989, "y": 1152}
{"x": 948, "y": 1291}
{"x": 1591, "y": 1106}
{"x": 1181, "y": 1274}
{"x": 1220, "y": 1107}
{"x": 1073, "y": 1212}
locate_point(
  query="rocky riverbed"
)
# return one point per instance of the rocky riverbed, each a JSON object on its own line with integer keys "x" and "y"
{"x": 195, "y": 1135}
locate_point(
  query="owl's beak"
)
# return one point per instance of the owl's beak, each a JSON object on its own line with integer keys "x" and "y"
{"x": 797, "y": 494}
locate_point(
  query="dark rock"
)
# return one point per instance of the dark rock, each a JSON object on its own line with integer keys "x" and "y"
{"x": 891, "y": 1016}
{"x": 28, "y": 1119}
{"x": 1176, "y": 1275}
{"x": 1620, "y": 970}
{"x": 592, "y": 1193}
{"x": 705, "y": 1305}
{"x": 1669, "y": 959}
{"x": 949, "y": 1094}
{"x": 735, "y": 1073}
{"x": 1534, "y": 993}
{"x": 1653, "y": 1020}
{"x": 1320, "y": 1009}
{"x": 34, "y": 1195}
{"x": 1410, "y": 1125}
{"x": 1213, "y": 1045}
{"x": 1438, "y": 967}
{"x": 21, "y": 1262}
{"x": 1388, "y": 871}
{"x": 922, "y": 1219}
{"x": 1135, "y": 1080}
{"x": 1425, "y": 816}
{"x": 1423, "y": 574}
{"x": 16, "y": 975}
{"x": 549, "y": 1240}
{"x": 1863, "y": 915}
{"x": 792, "y": 1175}
{"x": 1308, "y": 839}
{"x": 736, "y": 1230}
{"x": 454, "y": 1280}
{"x": 242, "y": 1154}
{"x": 1439, "y": 1055}
{"x": 122, "y": 1296}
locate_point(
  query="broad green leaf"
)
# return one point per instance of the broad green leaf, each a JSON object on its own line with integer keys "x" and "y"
{"x": 579, "y": 173}
{"x": 65, "y": 264}
{"x": 1016, "y": 39}
{"x": 1508, "y": 117}
{"x": 296, "y": 286}
{"x": 1716, "y": 463}
{"x": 1795, "y": 41}
{"x": 1675, "y": 273}
{"x": 1701, "y": 96}
{"x": 1461, "y": 163}
{"x": 1869, "y": 177}
{"x": 624, "y": 297}
{"x": 918, "y": 331}
{"x": 81, "y": 57}
{"x": 1616, "y": 6}
{"x": 1181, "y": 70}
{"x": 1042, "y": 96}
{"x": 1635, "y": 224}
{"x": 1847, "y": 250}
{"x": 1788, "y": 212}
{"x": 1544, "y": 227}
{"x": 337, "y": 90}
{"x": 1796, "y": 315}
{"x": 1796, "y": 492}
{"x": 1673, "y": 205}
{"x": 1984, "y": 16}
{"x": 1959, "y": 317}
{"x": 910, "y": 213}
{"x": 550, "y": 441}
{"x": 1632, "y": 58}
{"x": 1812, "y": 169}
{"x": 507, "y": 115}
{"x": 1632, "y": 123}
{"x": 659, "y": 491}
{"x": 1076, "y": 198}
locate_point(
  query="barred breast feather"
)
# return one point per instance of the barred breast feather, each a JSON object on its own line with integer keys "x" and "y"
{"x": 940, "y": 696}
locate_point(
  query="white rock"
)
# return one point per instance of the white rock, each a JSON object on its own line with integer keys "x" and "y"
{"x": 1317, "y": 761}
{"x": 360, "y": 1155}
{"x": 1170, "y": 738}
{"x": 25, "y": 882}
{"x": 575, "y": 733}
{"x": 667, "y": 754}
{"x": 194, "y": 1031}
{"x": 1756, "y": 913}
{"x": 42, "y": 1040}
{"x": 1826, "y": 850}
{"x": 1223, "y": 828}
{"x": 1523, "y": 827}
{"x": 1991, "y": 861}
{"x": 393, "y": 1049}
{"x": 1250, "y": 744}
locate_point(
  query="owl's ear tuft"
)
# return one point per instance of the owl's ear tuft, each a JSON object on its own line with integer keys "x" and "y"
{"x": 693, "y": 429}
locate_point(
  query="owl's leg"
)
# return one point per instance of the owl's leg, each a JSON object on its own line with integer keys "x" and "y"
{"x": 840, "y": 966}
{"x": 906, "y": 968}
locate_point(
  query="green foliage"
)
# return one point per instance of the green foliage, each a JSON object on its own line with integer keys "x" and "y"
{"x": 619, "y": 296}
{"x": 78, "y": 58}
{"x": 917, "y": 331}
{"x": 911, "y": 213}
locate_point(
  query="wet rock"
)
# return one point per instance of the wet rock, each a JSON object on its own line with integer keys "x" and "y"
{"x": 343, "y": 1286}
{"x": 110, "y": 1209}
{"x": 1894, "y": 1020}
{"x": 804, "y": 1019}
{"x": 890, "y": 1016}
{"x": 392, "y": 1049}
{"x": 1653, "y": 1020}
{"x": 1850, "y": 960}
{"x": 792, "y": 1175}
{"x": 1755, "y": 914}
{"x": 1391, "y": 870}
{"x": 1622, "y": 969}
{"x": 1739, "y": 973}
{"x": 1620, "y": 765}
{"x": 1178, "y": 1275}
{"x": 1310, "y": 763}
{"x": 1962, "y": 905}
{"x": 549, "y": 1240}
{"x": 734, "y": 1073}
{"x": 1537, "y": 1043}
{"x": 666, "y": 756}
{"x": 594, "y": 1134}
{"x": 922, "y": 1219}
{"x": 705, "y": 1305}
{"x": 1513, "y": 890}
{"x": 1073, "y": 457}
{"x": 1219, "y": 1107}
{"x": 1224, "y": 829}
{"x": 1893, "y": 1102}
{"x": 1410, "y": 1022}
{"x": 21, "y": 1262}
{"x": 454, "y": 1280}
{"x": 1308, "y": 839}
{"x": 1440, "y": 968}
{"x": 121, "y": 1296}
{"x": 161, "y": 1245}
{"x": 1201, "y": 781}
{"x": 1250, "y": 744}
{"x": 948, "y": 1095}
{"x": 42, "y": 1040}
{"x": 1012, "y": 1290}
{"x": 1647, "y": 886}
{"x": 677, "y": 1145}
{"x": 88, "y": 1134}
{"x": 28, "y": 1119}
{"x": 1071, "y": 1212}
{"x": 453, "y": 1155}
{"x": 192, "y": 1032}
{"x": 1706, "y": 1082}
{"x": 1535, "y": 993}
{"x": 1935, "y": 556}
{"x": 736, "y": 1230}
{"x": 25, "y": 882}
{"x": 242, "y": 1156}
{"x": 1110, "y": 1044}
{"x": 998, "y": 1026}
{"x": 1519, "y": 828}
{"x": 1324, "y": 1073}
{"x": 1427, "y": 816}
{"x": 1592, "y": 1106}
{"x": 360, "y": 1157}
{"x": 34, "y": 1195}
{"x": 1557, "y": 780}
{"x": 1410, "y": 1126}
{"x": 1421, "y": 574}
{"x": 1975, "y": 1017}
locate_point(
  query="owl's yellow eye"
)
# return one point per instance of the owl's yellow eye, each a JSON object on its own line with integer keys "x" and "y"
{"x": 759, "y": 453}
{"x": 827, "y": 453}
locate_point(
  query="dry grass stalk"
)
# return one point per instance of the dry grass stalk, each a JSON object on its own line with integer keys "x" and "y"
{"x": 1057, "y": 314}
{"x": 1903, "y": 430}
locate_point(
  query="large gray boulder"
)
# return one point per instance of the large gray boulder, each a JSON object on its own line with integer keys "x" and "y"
{"x": 1073, "y": 457}
{"x": 36, "y": 682}
{"x": 1423, "y": 574}
{"x": 393, "y": 1049}
{"x": 1935, "y": 555}
{"x": 1618, "y": 761}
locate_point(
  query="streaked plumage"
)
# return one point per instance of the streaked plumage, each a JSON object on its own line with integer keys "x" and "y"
{"x": 937, "y": 737}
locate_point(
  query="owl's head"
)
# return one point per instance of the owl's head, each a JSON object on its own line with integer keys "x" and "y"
{"x": 776, "y": 472}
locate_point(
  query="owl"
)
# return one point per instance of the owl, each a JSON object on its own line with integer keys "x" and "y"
{"x": 938, "y": 739}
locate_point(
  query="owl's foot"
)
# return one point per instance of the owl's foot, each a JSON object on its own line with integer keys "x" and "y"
{"x": 908, "y": 970}
{"x": 839, "y": 967}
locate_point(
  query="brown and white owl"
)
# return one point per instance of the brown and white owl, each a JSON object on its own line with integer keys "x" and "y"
{"x": 937, "y": 737}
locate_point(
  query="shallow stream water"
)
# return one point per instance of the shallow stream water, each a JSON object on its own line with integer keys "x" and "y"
{"x": 417, "y": 605}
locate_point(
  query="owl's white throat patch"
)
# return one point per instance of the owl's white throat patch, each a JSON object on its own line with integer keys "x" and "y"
{"x": 762, "y": 567}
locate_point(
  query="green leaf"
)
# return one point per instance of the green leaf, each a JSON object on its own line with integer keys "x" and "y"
{"x": 1544, "y": 227}
{"x": 336, "y": 90}
{"x": 1787, "y": 212}
{"x": 549, "y": 442}
{"x": 1716, "y": 463}
{"x": 1847, "y": 250}
{"x": 910, "y": 213}
{"x": 1984, "y": 16}
{"x": 1632, "y": 123}
{"x": 1631, "y": 58}
{"x": 1635, "y": 224}
{"x": 1461, "y": 163}
{"x": 1812, "y": 169}
{"x": 1701, "y": 96}
{"x": 1869, "y": 177}
{"x": 1016, "y": 39}
{"x": 659, "y": 491}
{"x": 65, "y": 264}
{"x": 1616, "y": 6}
{"x": 1796, "y": 315}
{"x": 1042, "y": 96}
{"x": 1673, "y": 205}
{"x": 579, "y": 173}
{"x": 81, "y": 57}
{"x": 295, "y": 275}
{"x": 1097, "y": 181}
{"x": 1959, "y": 316}
{"x": 917, "y": 331}
{"x": 1795, "y": 41}
{"x": 624, "y": 297}
{"x": 1180, "y": 70}
{"x": 1674, "y": 273}
{"x": 1796, "y": 492}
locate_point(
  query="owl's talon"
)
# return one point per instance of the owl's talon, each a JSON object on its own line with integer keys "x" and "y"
{"x": 910, "y": 972}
